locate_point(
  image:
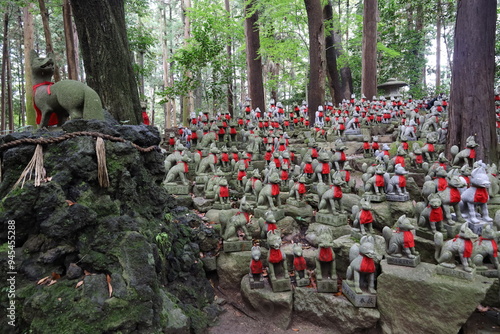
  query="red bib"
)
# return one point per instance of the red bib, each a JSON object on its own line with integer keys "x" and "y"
{"x": 454, "y": 195}
{"x": 224, "y": 191}
{"x": 472, "y": 153}
{"x": 408, "y": 239}
{"x": 430, "y": 147}
{"x": 365, "y": 217}
{"x": 337, "y": 192}
{"x": 419, "y": 159}
{"x": 256, "y": 267}
{"x": 493, "y": 245}
{"x": 275, "y": 255}
{"x": 308, "y": 168}
{"x": 325, "y": 254}
{"x": 186, "y": 167}
{"x": 271, "y": 227}
{"x": 379, "y": 180}
{"x": 442, "y": 183}
{"x": 400, "y": 160}
{"x": 241, "y": 174}
{"x": 467, "y": 246}
{"x": 367, "y": 265}
{"x": 402, "y": 181}
{"x": 481, "y": 195}
{"x": 284, "y": 175}
{"x": 436, "y": 215}
{"x": 302, "y": 188}
{"x": 299, "y": 263}
{"x": 275, "y": 189}
{"x": 326, "y": 168}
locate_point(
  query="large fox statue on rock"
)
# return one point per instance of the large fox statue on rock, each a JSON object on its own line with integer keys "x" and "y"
{"x": 56, "y": 102}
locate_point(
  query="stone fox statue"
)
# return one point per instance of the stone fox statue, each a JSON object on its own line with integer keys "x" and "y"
{"x": 66, "y": 98}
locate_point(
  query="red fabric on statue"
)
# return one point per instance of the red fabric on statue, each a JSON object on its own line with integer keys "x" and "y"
{"x": 367, "y": 265}
{"x": 275, "y": 255}
{"x": 481, "y": 195}
{"x": 366, "y": 145}
{"x": 224, "y": 157}
{"x": 347, "y": 177}
{"x": 326, "y": 168}
{"x": 308, "y": 168}
{"x": 493, "y": 245}
{"x": 171, "y": 141}
{"x": 224, "y": 191}
{"x": 408, "y": 239}
{"x": 186, "y": 167}
{"x": 302, "y": 188}
{"x": 436, "y": 215}
{"x": 430, "y": 147}
{"x": 442, "y": 184}
{"x": 342, "y": 156}
{"x": 271, "y": 227}
{"x": 400, "y": 160}
{"x": 402, "y": 181}
{"x": 454, "y": 195}
{"x": 314, "y": 153}
{"x": 215, "y": 158}
{"x": 284, "y": 175}
{"x": 256, "y": 267}
{"x": 241, "y": 174}
{"x": 268, "y": 156}
{"x": 467, "y": 246}
{"x": 325, "y": 254}
{"x": 365, "y": 217}
{"x": 299, "y": 263}
{"x": 379, "y": 180}
{"x": 337, "y": 192}
{"x": 419, "y": 159}
{"x": 275, "y": 189}
{"x": 472, "y": 154}
{"x": 375, "y": 146}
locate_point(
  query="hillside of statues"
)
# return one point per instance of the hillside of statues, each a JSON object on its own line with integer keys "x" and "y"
{"x": 352, "y": 221}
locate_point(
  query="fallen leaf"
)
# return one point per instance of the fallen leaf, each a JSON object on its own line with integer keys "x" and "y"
{"x": 110, "y": 288}
{"x": 87, "y": 273}
{"x": 70, "y": 203}
{"x": 43, "y": 280}
{"x": 295, "y": 329}
{"x": 56, "y": 276}
{"x": 52, "y": 281}
{"x": 59, "y": 299}
{"x": 79, "y": 284}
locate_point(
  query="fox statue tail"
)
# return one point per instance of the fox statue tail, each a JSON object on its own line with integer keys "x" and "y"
{"x": 92, "y": 108}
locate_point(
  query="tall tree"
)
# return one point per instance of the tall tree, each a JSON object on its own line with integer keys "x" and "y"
{"x": 254, "y": 61}
{"x": 331, "y": 56}
{"x": 472, "y": 109}
{"x": 28, "y": 36}
{"x": 369, "y": 57}
{"x": 69, "y": 37}
{"x": 5, "y": 56}
{"x": 317, "y": 57}
{"x": 438, "y": 47}
{"x": 48, "y": 36}
{"x": 188, "y": 99}
{"x": 230, "y": 94}
{"x": 106, "y": 55}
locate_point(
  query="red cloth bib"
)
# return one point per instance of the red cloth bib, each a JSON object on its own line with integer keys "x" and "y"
{"x": 337, "y": 192}
{"x": 314, "y": 153}
{"x": 430, "y": 147}
{"x": 215, "y": 158}
{"x": 277, "y": 162}
{"x": 481, "y": 195}
{"x": 472, "y": 153}
{"x": 442, "y": 183}
{"x": 408, "y": 239}
{"x": 366, "y": 145}
{"x": 367, "y": 265}
{"x": 347, "y": 176}
{"x": 271, "y": 227}
{"x": 454, "y": 195}
{"x": 365, "y": 217}
{"x": 275, "y": 255}
{"x": 302, "y": 188}
{"x": 171, "y": 141}
{"x": 493, "y": 245}
{"x": 308, "y": 168}
{"x": 400, "y": 160}
{"x": 379, "y": 180}
{"x": 241, "y": 174}
{"x": 224, "y": 191}
{"x": 326, "y": 168}
{"x": 405, "y": 146}
{"x": 467, "y": 246}
{"x": 325, "y": 254}
{"x": 342, "y": 155}
{"x": 186, "y": 167}
{"x": 419, "y": 159}
{"x": 402, "y": 181}
{"x": 375, "y": 146}
{"x": 284, "y": 175}
{"x": 256, "y": 267}
{"x": 224, "y": 157}
{"x": 436, "y": 215}
{"x": 299, "y": 263}
{"x": 275, "y": 189}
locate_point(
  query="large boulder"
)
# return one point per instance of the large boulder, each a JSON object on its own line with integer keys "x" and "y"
{"x": 420, "y": 301}
{"x": 330, "y": 311}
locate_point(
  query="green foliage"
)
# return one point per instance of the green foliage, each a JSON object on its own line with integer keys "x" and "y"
{"x": 164, "y": 243}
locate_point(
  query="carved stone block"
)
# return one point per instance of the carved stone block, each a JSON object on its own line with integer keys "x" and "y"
{"x": 327, "y": 285}
{"x": 457, "y": 272}
{"x": 358, "y": 299}
{"x": 403, "y": 261}
{"x": 237, "y": 246}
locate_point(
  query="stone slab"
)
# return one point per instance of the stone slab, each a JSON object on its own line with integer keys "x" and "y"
{"x": 237, "y": 246}
{"x": 327, "y": 285}
{"x": 358, "y": 299}
{"x": 375, "y": 198}
{"x": 261, "y": 213}
{"x": 477, "y": 228}
{"x": 457, "y": 272}
{"x": 280, "y": 284}
{"x": 398, "y": 198}
{"x": 331, "y": 219}
{"x": 487, "y": 272}
{"x": 403, "y": 261}
{"x": 201, "y": 179}
{"x": 177, "y": 189}
{"x": 303, "y": 281}
{"x": 293, "y": 202}
{"x": 221, "y": 206}
{"x": 424, "y": 233}
{"x": 256, "y": 284}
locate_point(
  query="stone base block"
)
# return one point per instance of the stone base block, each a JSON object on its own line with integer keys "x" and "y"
{"x": 256, "y": 282}
{"x": 209, "y": 194}
{"x": 452, "y": 230}
{"x": 478, "y": 227}
{"x": 251, "y": 198}
{"x": 302, "y": 281}
{"x": 487, "y": 272}
{"x": 201, "y": 179}
{"x": 331, "y": 219}
{"x": 424, "y": 233}
{"x": 261, "y": 213}
{"x": 327, "y": 285}
{"x": 403, "y": 261}
{"x": 237, "y": 246}
{"x": 457, "y": 272}
{"x": 177, "y": 189}
{"x": 398, "y": 197}
{"x": 284, "y": 189}
{"x": 280, "y": 284}
{"x": 293, "y": 202}
{"x": 358, "y": 299}
{"x": 356, "y": 233}
{"x": 375, "y": 198}
{"x": 222, "y": 206}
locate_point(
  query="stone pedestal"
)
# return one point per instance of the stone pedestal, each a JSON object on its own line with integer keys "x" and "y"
{"x": 403, "y": 261}
{"x": 302, "y": 281}
{"x": 375, "y": 198}
{"x": 457, "y": 272}
{"x": 424, "y": 233}
{"x": 237, "y": 246}
{"x": 358, "y": 299}
{"x": 452, "y": 230}
{"x": 487, "y": 271}
{"x": 176, "y": 188}
{"x": 477, "y": 228}
{"x": 222, "y": 206}
{"x": 256, "y": 282}
{"x": 398, "y": 197}
{"x": 327, "y": 285}
{"x": 293, "y": 202}
{"x": 251, "y": 198}
{"x": 280, "y": 284}
{"x": 201, "y": 179}
{"x": 331, "y": 219}
{"x": 261, "y": 213}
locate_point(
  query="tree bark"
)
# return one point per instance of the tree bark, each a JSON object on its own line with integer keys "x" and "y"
{"x": 438, "y": 47}
{"x": 369, "y": 56}
{"x": 28, "y": 35}
{"x": 254, "y": 61}
{"x": 472, "y": 107}
{"x": 230, "y": 95}
{"x": 48, "y": 37}
{"x": 108, "y": 69}
{"x": 331, "y": 59}
{"x": 188, "y": 100}
{"x": 317, "y": 57}
{"x": 5, "y": 55}
{"x": 70, "y": 42}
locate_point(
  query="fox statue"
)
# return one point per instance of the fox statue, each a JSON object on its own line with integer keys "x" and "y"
{"x": 476, "y": 196}
{"x": 461, "y": 246}
{"x": 64, "y": 99}
{"x": 401, "y": 241}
